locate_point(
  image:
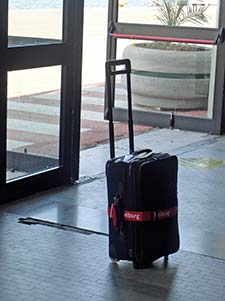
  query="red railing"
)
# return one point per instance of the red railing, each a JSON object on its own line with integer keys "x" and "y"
{"x": 219, "y": 38}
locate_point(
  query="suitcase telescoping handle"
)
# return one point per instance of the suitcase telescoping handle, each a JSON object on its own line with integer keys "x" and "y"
{"x": 111, "y": 71}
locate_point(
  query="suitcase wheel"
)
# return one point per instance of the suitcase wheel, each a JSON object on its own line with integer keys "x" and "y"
{"x": 114, "y": 260}
{"x": 136, "y": 265}
{"x": 165, "y": 262}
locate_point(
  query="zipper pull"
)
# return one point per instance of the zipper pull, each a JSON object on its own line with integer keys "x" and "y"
{"x": 129, "y": 170}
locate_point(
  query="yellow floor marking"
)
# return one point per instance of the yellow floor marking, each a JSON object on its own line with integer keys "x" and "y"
{"x": 201, "y": 163}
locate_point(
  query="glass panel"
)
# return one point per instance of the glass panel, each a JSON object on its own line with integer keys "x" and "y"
{"x": 33, "y": 120}
{"x": 94, "y": 41}
{"x": 35, "y": 22}
{"x": 202, "y": 13}
{"x": 93, "y": 127}
{"x": 171, "y": 77}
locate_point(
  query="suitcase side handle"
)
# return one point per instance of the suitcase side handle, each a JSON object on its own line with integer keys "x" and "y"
{"x": 111, "y": 72}
{"x": 146, "y": 151}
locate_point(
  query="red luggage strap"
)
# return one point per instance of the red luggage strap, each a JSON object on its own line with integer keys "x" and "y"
{"x": 142, "y": 216}
{"x": 149, "y": 216}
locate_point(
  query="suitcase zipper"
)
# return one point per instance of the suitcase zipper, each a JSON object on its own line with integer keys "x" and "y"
{"x": 133, "y": 193}
{"x": 130, "y": 189}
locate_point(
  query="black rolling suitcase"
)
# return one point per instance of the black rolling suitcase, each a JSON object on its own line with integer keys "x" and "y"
{"x": 142, "y": 193}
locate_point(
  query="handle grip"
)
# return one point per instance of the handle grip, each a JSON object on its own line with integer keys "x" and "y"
{"x": 112, "y": 64}
{"x": 146, "y": 151}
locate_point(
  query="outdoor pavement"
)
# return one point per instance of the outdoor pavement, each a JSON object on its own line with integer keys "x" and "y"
{"x": 45, "y": 262}
{"x": 33, "y": 121}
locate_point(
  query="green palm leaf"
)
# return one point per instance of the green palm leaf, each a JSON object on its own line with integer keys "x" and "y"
{"x": 175, "y": 13}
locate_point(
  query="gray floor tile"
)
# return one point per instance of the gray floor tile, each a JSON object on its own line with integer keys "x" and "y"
{"x": 43, "y": 263}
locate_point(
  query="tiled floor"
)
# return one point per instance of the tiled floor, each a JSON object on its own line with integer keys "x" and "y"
{"x": 44, "y": 263}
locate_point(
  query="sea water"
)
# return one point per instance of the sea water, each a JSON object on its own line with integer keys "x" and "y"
{"x": 46, "y": 4}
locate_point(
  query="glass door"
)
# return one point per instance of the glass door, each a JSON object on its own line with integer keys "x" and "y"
{"x": 177, "y": 54}
{"x": 40, "y": 94}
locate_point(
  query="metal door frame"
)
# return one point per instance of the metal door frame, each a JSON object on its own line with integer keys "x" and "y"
{"x": 162, "y": 119}
{"x": 68, "y": 54}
